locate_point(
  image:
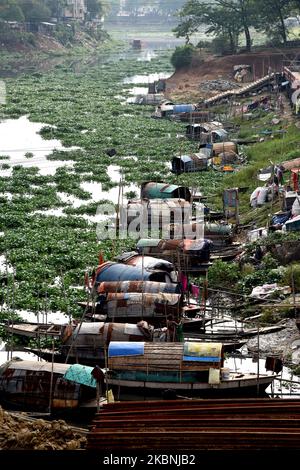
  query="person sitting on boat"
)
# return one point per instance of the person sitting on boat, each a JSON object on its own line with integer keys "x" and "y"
{"x": 172, "y": 329}
{"x": 146, "y": 329}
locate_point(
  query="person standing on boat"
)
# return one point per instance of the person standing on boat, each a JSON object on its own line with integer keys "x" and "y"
{"x": 172, "y": 326}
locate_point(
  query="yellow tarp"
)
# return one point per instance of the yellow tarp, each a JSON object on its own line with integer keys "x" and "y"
{"x": 203, "y": 349}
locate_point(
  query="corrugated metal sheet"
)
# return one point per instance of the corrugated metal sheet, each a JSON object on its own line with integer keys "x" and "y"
{"x": 138, "y": 286}
{"x": 146, "y": 299}
{"x": 137, "y": 305}
{"x": 100, "y": 334}
{"x": 37, "y": 366}
{"x": 249, "y": 424}
{"x": 258, "y": 84}
{"x": 221, "y": 133}
{"x": 91, "y": 340}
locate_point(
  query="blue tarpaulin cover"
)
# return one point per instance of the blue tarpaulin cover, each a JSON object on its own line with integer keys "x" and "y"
{"x": 81, "y": 375}
{"x": 280, "y": 219}
{"x": 123, "y": 348}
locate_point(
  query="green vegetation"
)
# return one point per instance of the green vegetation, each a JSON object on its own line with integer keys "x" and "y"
{"x": 43, "y": 10}
{"x": 40, "y": 247}
{"x": 222, "y": 274}
{"x": 20, "y": 20}
{"x": 182, "y": 57}
{"x": 228, "y": 19}
{"x": 292, "y": 276}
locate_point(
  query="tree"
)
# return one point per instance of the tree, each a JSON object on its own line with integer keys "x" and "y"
{"x": 219, "y": 21}
{"x": 114, "y": 8}
{"x": 56, "y": 7}
{"x": 35, "y": 10}
{"x": 182, "y": 56}
{"x": 96, "y": 8}
{"x": 272, "y": 15}
{"x": 224, "y": 25}
{"x": 10, "y": 11}
{"x": 246, "y": 11}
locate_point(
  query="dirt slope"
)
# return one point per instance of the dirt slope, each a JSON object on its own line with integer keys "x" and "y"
{"x": 186, "y": 83}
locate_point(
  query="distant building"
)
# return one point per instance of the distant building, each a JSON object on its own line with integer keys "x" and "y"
{"x": 75, "y": 10}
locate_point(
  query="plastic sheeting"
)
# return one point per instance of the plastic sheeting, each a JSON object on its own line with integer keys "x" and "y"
{"x": 296, "y": 206}
{"x": 112, "y": 272}
{"x": 209, "y": 352}
{"x": 81, "y": 375}
{"x": 259, "y": 196}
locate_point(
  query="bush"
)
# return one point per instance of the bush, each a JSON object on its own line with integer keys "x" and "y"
{"x": 222, "y": 274}
{"x": 221, "y": 45}
{"x": 182, "y": 56}
{"x": 258, "y": 278}
{"x": 64, "y": 34}
{"x": 292, "y": 275}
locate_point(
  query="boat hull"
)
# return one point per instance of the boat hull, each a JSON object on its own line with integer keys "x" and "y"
{"x": 239, "y": 387}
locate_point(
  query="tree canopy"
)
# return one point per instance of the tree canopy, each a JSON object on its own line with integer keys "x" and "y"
{"x": 229, "y": 18}
{"x": 43, "y": 10}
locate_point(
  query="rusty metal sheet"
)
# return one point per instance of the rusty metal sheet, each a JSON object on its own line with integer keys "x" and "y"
{"x": 137, "y": 286}
{"x": 198, "y": 425}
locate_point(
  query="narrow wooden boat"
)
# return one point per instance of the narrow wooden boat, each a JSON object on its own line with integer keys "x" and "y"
{"x": 34, "y": 330}
{"x": 35, "y": 385}
{"x": 190, "y": 368}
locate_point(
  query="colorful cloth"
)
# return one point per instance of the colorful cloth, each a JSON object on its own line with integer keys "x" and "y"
{"x": 184, "y": 282}
{"x": 195, "y": 291}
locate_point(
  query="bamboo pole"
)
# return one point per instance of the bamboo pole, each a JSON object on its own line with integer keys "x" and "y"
{"x": 51, "y": 379}
{"x": 258, "y": 356}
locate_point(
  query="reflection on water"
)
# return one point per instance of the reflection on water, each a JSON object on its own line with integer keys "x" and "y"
{"x": 138, "y": 90}
{"x": 28, "y": 141}
{"x": 97, "y": 193}
{"x": 146, "y": 56}
{"x": 281, "y": 389}
{"x": 150, "y": 78}
{"x": 5, "y": 267}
